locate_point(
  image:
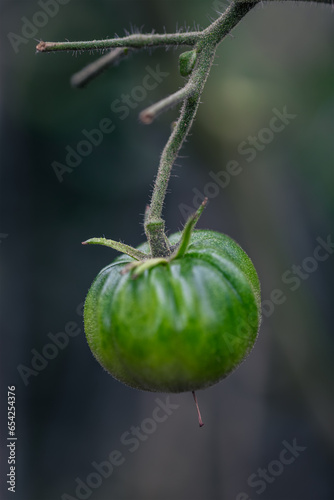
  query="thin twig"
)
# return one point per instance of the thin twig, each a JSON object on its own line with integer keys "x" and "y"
{"x": 148, "y": 115}
{"x": 88, "y": 73}
{"x": 140, "y": 41}
{"x": 137, "y": 41}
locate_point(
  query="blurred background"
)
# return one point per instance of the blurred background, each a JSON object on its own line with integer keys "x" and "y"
{"x": 71, "y": 413}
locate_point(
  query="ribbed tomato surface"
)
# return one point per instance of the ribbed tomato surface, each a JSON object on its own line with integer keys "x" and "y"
{"x": 179, "y": 326}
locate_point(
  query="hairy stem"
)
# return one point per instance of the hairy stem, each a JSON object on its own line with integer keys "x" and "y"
{"x": 84, "y": 76}
{"x": 206, "y": 48}
{"x": 149, "y": 114}
{"x": 204, "y": 44}
{"x": 169, "y": 155}
{"x": 137, "y": 41}
{"x": 140, "y": 41}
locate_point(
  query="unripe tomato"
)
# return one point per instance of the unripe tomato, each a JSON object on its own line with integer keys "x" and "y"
{"x": 180, "y": 326}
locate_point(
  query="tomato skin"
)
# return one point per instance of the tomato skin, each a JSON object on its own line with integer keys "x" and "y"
{"x": 180, "y": 326}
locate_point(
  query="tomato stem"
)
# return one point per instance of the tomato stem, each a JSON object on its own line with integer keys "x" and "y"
{"x": 134, "y": 41}
{"x": 144, "y": 41}
{"x": 88, "y": 73}
{"x": 196, "y": 64}
{"x": 200, "y": 421}
{"x": 207, "y": 43}
{"x": 156, "y": 237}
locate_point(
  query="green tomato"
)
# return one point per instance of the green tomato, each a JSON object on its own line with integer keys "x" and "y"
{"x": 179, "y": 326}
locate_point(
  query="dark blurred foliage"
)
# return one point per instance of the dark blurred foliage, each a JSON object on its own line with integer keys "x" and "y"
{"x": 72, "y": 413}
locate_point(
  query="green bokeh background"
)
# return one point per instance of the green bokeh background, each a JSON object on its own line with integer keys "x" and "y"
{"x": 72, "y": 413}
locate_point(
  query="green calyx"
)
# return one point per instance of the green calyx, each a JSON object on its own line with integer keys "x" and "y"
{"x": 154, "y": 230}
{"x": 187, "y": 62}
{"x": 117, "y": 245}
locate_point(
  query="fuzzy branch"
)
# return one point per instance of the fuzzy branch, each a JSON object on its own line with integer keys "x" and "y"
{"x": 206, "y": 49}
{"x": 81, "y": 78}
{"x": 196, "y": 64}
{"x": 148, "y": 115}
{"x": 136, "y": 41}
